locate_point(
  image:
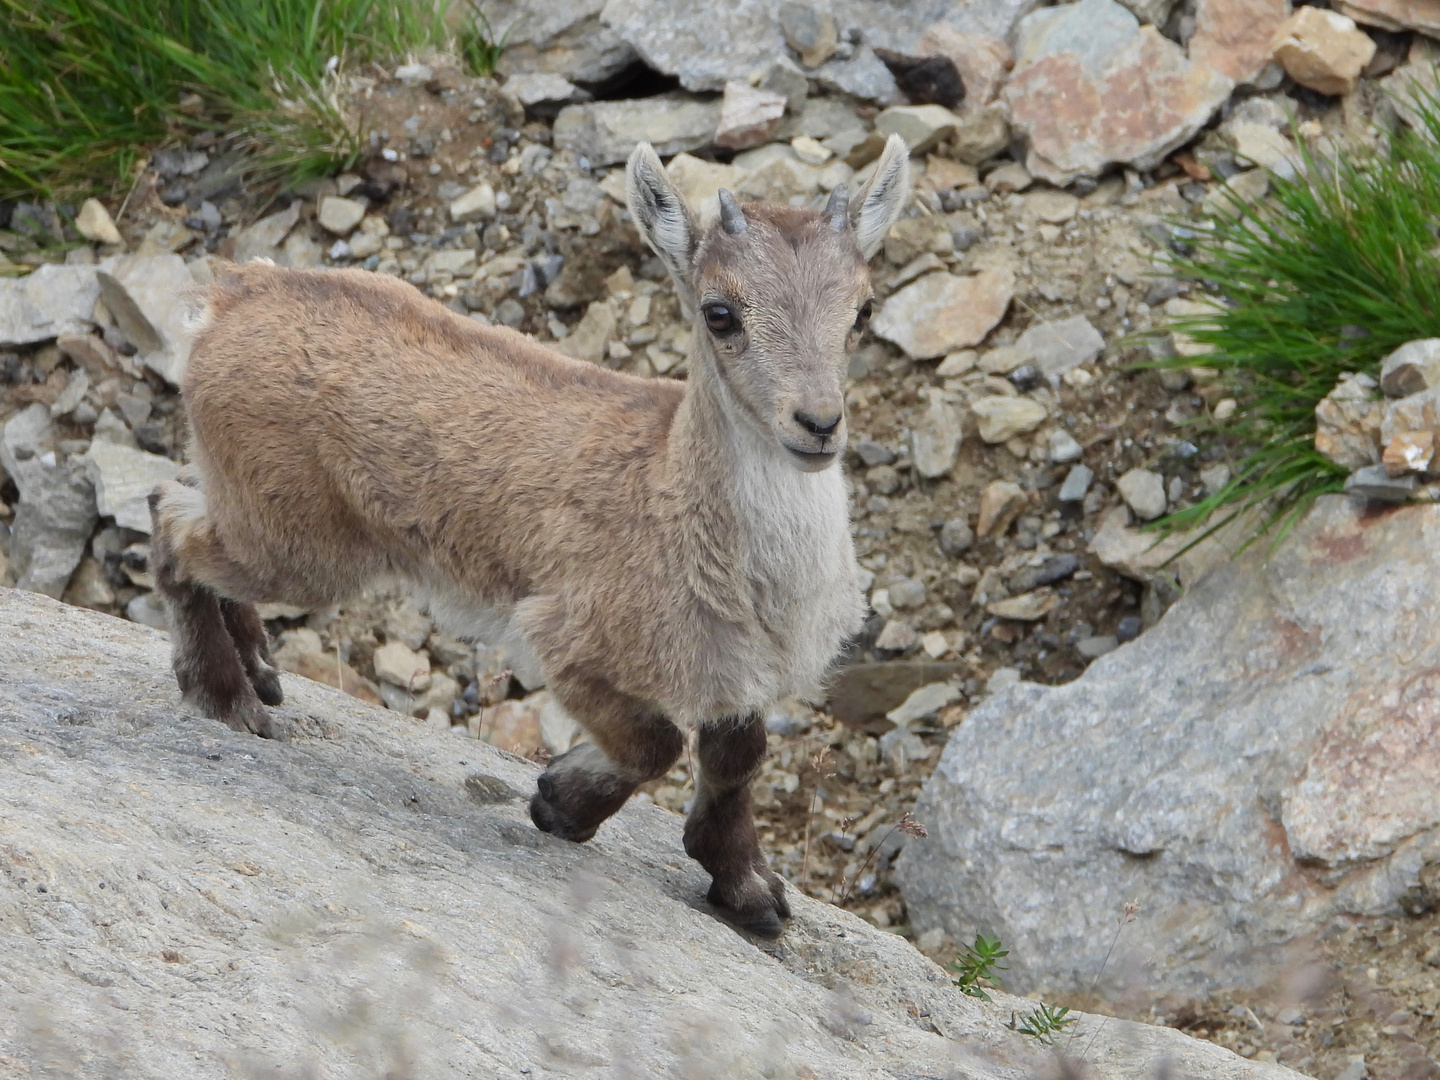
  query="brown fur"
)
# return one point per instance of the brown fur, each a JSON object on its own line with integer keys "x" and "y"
{"x": 673, "y": 553}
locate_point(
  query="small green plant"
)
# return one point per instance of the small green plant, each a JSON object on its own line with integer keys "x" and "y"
{"x": 979, "y": 963}
{"x": 1044, "y": 1023}
{"x": 1334, "y": 271}
{"x": 478, "y": 44}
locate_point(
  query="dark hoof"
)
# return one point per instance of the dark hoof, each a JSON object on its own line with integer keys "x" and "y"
{"x": 762, "y": 919}
{"x": 549, "y": 818}
{"x": 267, "y": 687}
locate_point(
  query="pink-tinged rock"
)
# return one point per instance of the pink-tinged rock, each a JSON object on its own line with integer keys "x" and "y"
{"x": 1092, "y": 87}
{"x": 1370, "y": 783}
{"x": 941, "y": 312}
{"x": 1235, "y": 37}
{"x": 983, "y": 62}
{"x": 1348, "y": 423}
{"x": 748, "y": 117}
{"x": 1422, "y": 15}
{"x": 1323, "y": 50}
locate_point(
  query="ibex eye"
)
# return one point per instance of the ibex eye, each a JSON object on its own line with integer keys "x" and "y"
{"x": 721, "y": 320}
{"x": 862, "y": 319}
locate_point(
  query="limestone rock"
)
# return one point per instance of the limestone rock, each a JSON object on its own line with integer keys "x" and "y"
{"x": 51, "y": 301}
{"x": 1375, "y": 484}
{"x": 941, "y": 312}
{"x": 93, "y": 222}
{"x": 1323, "y": 50}
{"x": 983, "y": 131}
{"x": 909, "y": 238}
{"x": 1262, "y": 145}
{"x": 1150, "y": 11}
{"x": 1259, "y": 763}
{"x": 1394, "y": 15}
{"x": 124, "y": 477}
{"x": 55, "y": 514}
{"x": 150, "y": 297}
{"x": 809, "y": 31}
{"x": 1000, "y": 419}
{"x": 1413, "y": 367}
{"x": 476, "y": 204}
{"x": 1235, "y": 37}
{"x": 1061, "y": 345}
{"x": 340, "y": 215}
{"x": 261, "y": 239}
{"x": 1347, "y": 423}
{"x": 935, "y": 442}
{"x": 1093, "y": 87}
{"x": 606, "y": 131}
{"x": 921, "y": 126}
{"x": 924, "y": 703}
{"x": 300, "y": 652}
{"x": 1000, "y": 504}
{"x": 385, "y": 883}
{"x": 1027, "y": 607}
{"x": 540, "y": 88}
{"x": 1144, "y": 492}
{"x": 983, "y": 62}
{"x": 748, "y": 116}
{"x": 399, "y": 665}
{"x": 591, "y": 334}
{"x": 558, "y": 37}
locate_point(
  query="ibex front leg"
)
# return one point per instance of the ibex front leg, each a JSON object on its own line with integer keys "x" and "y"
{"x": 720, "y": 833}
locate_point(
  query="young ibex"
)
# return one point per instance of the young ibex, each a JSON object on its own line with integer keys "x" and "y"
{"x": 676, "y": 554}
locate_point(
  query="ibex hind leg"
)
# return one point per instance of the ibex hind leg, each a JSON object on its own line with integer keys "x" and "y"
{"x": 587, "y": 784}
{"x": 247, "y": 630}
{"x": 207, "y": 660}
{"x": 720, "y": 832}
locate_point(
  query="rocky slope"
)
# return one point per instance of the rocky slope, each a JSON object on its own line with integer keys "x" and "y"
{"x": 365, "y": 898}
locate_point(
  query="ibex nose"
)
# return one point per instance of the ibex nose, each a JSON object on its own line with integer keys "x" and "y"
{"x": 818, "y": 425}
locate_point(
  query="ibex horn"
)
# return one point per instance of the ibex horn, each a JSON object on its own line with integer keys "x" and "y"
{"x": 838, "y": 208}
{"x": 732, "y": 219}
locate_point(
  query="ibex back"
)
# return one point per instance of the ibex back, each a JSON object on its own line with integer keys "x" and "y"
{"x": 675, "y": 554}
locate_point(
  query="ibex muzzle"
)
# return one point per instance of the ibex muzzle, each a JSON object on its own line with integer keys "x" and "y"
{"x": 677, "y": 555}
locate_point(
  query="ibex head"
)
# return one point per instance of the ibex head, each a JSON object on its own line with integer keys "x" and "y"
{"x": 781, "y": 295}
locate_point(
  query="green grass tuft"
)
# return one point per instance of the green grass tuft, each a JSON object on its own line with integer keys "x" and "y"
{"x": 1336, "y": 270}
{"x": 478, "y": 45}
{"x": 87, "y": 85}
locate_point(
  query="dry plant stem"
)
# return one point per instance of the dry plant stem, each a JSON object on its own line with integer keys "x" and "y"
{"x": 1127, "y": 916}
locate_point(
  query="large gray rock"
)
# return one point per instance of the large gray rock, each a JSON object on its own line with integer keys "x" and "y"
{"x": 606, "y": 131}
{"x": 53, "y": 300}
{"x": 560, "y": 37}
{"x": 369, "y": 898}
{"x": 124, "y": 477}
{"x": 56, "y": 512}
{"x": 706, "y": 45}
{"x": 151, "y": 297}
{"x": 1259, "y": 764}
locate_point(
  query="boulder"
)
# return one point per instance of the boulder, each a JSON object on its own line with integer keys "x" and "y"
{"x": 124, "y": 477}
{"x": 51, "y": 301}
{"x": 1236, "y": 37}
{"x": 1092, "y": 87}
{"x": 56, "y": 511}
{"x": 150, "y": 298}
{"x": 1258, "y": 764}
{"x": 606, "y": 131}
{"x": 559, "y": 37}
{"x": 379, "y": 887}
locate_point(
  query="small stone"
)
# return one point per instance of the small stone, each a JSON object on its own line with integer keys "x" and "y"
{"x": 1348, "y": 423}
{"x": 956, "y": 363}
{"x": 1144, "y": 492}
{"x": 1262, "y": 145}
{"x": 340, "y": 216}
{"x": 896, "y": 637}
{"x": 124, "y": 477}
{"x": 262, "y": 238}
{"x": 1062, "y": 345}
{"x": 1028, "y": 607}
{"x": 396, "y": 663}
{"x": 906, "y": 594}
{"x": 1394, "y": 15}
{"x": 1323, "y": 50}
{"x": 52, "y": 300}
{"x": 811, "y": 151}
{"x": 1055, "y": 568}
{"x": 55, "y": 515}
{"x": 924, "y": 703}
{"x": 810, "y": 32}
{"x": 1001, "y": 679}
{"x": 1063, "y": 448}
{"x": 940, "y": 312}
{"x": 785, "y": 78}
{"x": 476, "y": 204}
{"x": 1215, "y": 478}
{"x": 457, "y": 262}
{"x": 1002, "y": 418}
{"x": 72, "y": 395}
{"x": 1096, "y": 646}
{"x": 748, "y": 116}
{"x": 591, "y": 334}
{"x": 1000, "y": 503}
{"x": 1056, "y": 207}
{"x": 982, "y": 133}
{"x": 956, "y": 537}
{"x": 934, "y": 644}
{"x": 148, "y": 610}
{"x": 1409, "y": 451}
{"x": 604, "y": 132}
{"x": 873, "y": 453}
{"x": 533, "y": 88}
{"x": 1128, "y": 629}
{"x": 921, "y": 126}
{"x": 147, "y": 296}
{"x": 1373, "y": 482}
{"x": 414, "y": 74}
{"x": 911, "y": 237}
{"x": 1008, "y": 178}
{"x": 1413, "y": 367}
{"x": 935, "y": 439}
{"x": 94, "y": 223}
{"x": 1077, "y": 483}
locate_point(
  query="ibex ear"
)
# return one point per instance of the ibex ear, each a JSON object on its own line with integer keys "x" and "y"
{"x": 883, "y": 199}
{"x": 664, "y": 219}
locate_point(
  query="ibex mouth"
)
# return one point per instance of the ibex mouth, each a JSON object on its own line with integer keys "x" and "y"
{"x": 812, "y": 458}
